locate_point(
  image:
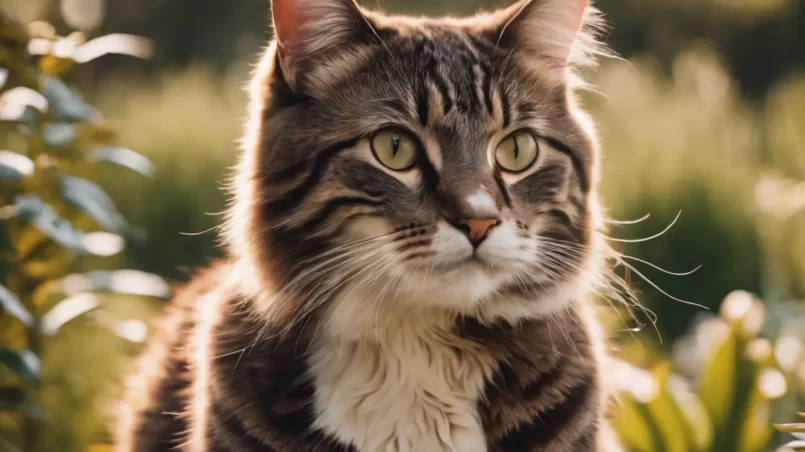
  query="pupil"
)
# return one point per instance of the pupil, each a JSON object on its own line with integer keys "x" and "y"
{"x": 516, "y": 148}
{"x": 395, "y": 145}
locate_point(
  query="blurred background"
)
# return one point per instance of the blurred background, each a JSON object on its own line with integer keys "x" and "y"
{"x": 702, "y": 125}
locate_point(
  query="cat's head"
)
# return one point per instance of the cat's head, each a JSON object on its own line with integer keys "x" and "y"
{"x": 413, "y": 160}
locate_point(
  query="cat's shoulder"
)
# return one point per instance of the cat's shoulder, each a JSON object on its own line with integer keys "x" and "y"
{"x": 152, "y": 416}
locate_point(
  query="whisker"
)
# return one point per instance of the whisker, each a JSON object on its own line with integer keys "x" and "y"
{"x": 627, "y": 222}
{"x": 657, "y": 267}
{"x": 365, "y": 283}
{"x": 606, "y": 284}
{"x": 206, "y": 231}
{"x": 313, "y": 295}
{"x": 668, "y": 228}
{"x": 646, "y": 279}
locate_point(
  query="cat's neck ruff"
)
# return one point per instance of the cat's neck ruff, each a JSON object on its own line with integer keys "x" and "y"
{"x": 367, "y": 313}
{"x": 397, "y": 374}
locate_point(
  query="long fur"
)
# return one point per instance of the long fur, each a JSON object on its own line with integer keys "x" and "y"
{"x": 361, "y": 308}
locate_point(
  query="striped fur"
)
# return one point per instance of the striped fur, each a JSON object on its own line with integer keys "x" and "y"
{"x": 353, "y": 313}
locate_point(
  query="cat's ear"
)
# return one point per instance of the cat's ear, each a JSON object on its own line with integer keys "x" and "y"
{"x": 544, "y": 29}
{"x": 308, "y": 32}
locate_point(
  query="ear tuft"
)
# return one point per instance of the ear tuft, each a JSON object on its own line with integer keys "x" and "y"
{"x": 308, "y": 31}
{"x": 556, "y": 33}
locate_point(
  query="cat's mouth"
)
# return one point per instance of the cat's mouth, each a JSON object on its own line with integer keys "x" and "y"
{"x": 473, "y": 262}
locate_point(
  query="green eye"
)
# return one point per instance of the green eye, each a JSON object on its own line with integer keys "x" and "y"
{"x": 517, "y": 152}
{"x": 395, "y": 149}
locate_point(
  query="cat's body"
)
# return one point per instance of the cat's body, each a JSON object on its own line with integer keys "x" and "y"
{"x": 461, "y": 387}
{"x": 413, "y": 247}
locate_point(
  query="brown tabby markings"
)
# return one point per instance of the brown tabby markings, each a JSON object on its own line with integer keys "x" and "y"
{"x": 353, "y": 314}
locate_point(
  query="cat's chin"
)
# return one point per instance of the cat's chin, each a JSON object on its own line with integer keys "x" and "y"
{"x": 475, "y": 287}
{"x": 457, "y": 286}
{"x": 465, "y": 265}
{"x": 435, "y": 300}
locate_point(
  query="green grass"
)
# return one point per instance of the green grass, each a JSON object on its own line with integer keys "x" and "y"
{"x": 188, "y": 124}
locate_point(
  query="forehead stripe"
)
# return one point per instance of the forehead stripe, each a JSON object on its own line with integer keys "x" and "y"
{"x": 422, "y": 102}
{"x": 430, "y": 177}
{"x": 504, "y": 191}
{"x": 484, "y": 45}
{"x": 293, "y": 197}
{"x": 487, "y": 88}
{"x": 331, "y": 207}
{"x": 504, "y": 106}
{"x": 441, "y": 85}
{"x": 578, "y": 164}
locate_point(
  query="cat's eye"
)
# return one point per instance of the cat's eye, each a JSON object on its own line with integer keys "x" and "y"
{"x": 395, "y": 148}
{"x": 517, "y": 152}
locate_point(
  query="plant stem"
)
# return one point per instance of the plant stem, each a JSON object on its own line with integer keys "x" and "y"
{"x": 31, "y": 427}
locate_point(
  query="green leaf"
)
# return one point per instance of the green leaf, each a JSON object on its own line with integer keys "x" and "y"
{"x": 32, "y": 208}
{"x": 64, "y": 102}
{"x": 678, "y": 427}
{"x": 13, "y": 166}
{"x": 634, "y": 425}
{"x": 11, "y": 397}
{"x": 134, "y": 330}
{"x": 131, "y": 282}
{"x": 13, "y": 307}
{"x": 91, "y": 198}
{"x": 790, "y": 428}
{"x": 796, "y": 445}
{"x": 67, "y": 310}
{"x": 25, "y": 363}
{"x": 35, "y": 412}
{"x": 15, "y": 102}
{"x": 26, "y": 119}
{"x": 59, "y": 134}
{"x": 124, "y": 157}
{"x": 7, "y": 445}
{"x": 117, "y": 43}
{"x": 102, "y": 243}
{"x": 635, "y": 388}
{"x": 718, "y": 380}
{"x": 756, "y": 431}
{"x": 691, "y": 409}
{"x": 670, "y": 421}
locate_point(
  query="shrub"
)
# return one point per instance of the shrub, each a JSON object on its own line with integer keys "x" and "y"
{"x": 58, "y": 230}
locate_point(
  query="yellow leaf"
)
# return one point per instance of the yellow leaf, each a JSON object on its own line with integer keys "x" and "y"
{"x": 50, "y": 268}
{"x": 27, "y": 238}
{"x": 13, "y": 32}
{"x": 100, "y": 448}
{"x": 634, "y": 425}
{"x": 791, "y": 428}
{"x": 756, "y": 431}
{"x": 96, "y": 133}
{"x": 682, "y": 430}
{"x": 44, "y": 292}
{"x": 717, "y": 387}
{"x": 692, "y": 410}
{"x": 55, "y": 65}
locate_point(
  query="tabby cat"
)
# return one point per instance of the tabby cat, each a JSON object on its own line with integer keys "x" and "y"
{"x": 412, "y": 244}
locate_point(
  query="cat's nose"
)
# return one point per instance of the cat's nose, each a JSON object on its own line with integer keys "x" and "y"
{"x": 476, "y": 229}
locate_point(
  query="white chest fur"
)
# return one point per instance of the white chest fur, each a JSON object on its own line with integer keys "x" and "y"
{"x": 406, "y": 386}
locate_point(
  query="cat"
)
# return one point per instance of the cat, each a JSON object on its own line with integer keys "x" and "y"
{"x": 412, "y": 247}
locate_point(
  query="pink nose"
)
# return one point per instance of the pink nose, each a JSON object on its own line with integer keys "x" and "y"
{"x": 477, "y": 228}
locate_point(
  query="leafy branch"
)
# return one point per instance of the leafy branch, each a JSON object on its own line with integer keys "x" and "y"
{"x": 52, "y": 218}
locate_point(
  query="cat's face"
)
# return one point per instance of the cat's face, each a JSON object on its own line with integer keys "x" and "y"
{"x": 440, "y": 161}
